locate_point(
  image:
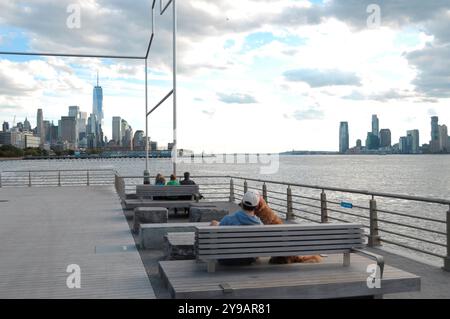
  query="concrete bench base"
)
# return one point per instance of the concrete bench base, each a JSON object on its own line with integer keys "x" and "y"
{"x": 151, "y": 236}
{"x": 149, "y": 215}
{"x": 206, "y": 214}
{"x": 179, "y": 246}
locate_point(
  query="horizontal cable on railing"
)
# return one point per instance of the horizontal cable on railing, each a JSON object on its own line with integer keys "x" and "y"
{"x": 306, "y": 204}
{"x": 412, "y": 248}
{"x": 305, "y": 211}
{"x": 411, "y": 226}
{"x": 412, "y": 216}
{"x": 347, "y": 213}
{"x": 411, "y": 237}
{"x": 306, "y": 218}
{"x": 345, "y": 221}
{"x": 276, "y": 198}
{"x": 306, "y": 197}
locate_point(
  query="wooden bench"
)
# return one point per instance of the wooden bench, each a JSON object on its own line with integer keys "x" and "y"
{"x": 334, "y": 277}
{"x": 168, "y": 192}
{"x": 215, "y": 243}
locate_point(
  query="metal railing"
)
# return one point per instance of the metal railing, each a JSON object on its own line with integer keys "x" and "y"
{"x": 418, "y": 224}
{"x": 57, "y": 178}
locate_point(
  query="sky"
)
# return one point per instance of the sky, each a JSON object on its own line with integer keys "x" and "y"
{"x": 253, "y": 75}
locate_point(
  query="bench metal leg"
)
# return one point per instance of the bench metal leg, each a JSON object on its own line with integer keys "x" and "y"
{"x": 346, "y": 259}
{"x": 212, "y": 266}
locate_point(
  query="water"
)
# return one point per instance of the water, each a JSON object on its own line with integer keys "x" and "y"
{"x": 427, "y": 176}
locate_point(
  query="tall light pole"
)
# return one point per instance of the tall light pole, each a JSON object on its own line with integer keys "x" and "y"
{"x": 175, "y": 146}
{"x": 146, "y": 172}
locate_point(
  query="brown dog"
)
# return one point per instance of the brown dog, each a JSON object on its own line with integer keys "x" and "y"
{"x": 268, "y": 217}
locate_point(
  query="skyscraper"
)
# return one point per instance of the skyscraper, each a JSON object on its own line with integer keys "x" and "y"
{"x": 385, "y": 138}
{"x": 435, "y": 134}
{"x": 74, "y": 111}
{"x": 343, "y": 138}
{"x": 375, "y": 126}
{"x": 40, "y": 130}
{"x": 413, "y": 141}
{"x": 97, "y": 107}
{"x": 117, "y": 130}
{"x": 5, "y": 127}
{"x": 443, "y": 138}
{"x": 27, "y": 125}
{"x": 69, "y": 130}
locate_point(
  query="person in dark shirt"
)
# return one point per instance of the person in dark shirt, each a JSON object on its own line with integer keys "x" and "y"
{"x": 187, "y": 179}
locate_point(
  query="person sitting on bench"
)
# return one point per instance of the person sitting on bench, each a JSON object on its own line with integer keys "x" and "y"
{"x": 244, "y": 217}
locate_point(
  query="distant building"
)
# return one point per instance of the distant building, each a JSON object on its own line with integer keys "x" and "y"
{"x": 435, "y": 146}
{"x": 170, "y": 146}
{"x": 375, "y": 126}
{"x": 97, "y": 105}
{"x": 5, "y": 127}
{"x": 385, "y": 138}
{"x": 5, "y": 138}
{"x": 403, "y": 145}
{"x": 31, "y": 141}
{"x": 443, "y": 139}
{"x": 69, "y": 131}
{"x": 139, "y": 141}
{"x": 117, "y": 130}
{"x": 358, "y": 143}
{"x": 372, "y": 141}
{"x": 74, "y": 111}
{"x": 40, "y": 130}
{"x": 413, "y": 142}
{"x": 27, "y": 126}
{"x": 344, "y": 138}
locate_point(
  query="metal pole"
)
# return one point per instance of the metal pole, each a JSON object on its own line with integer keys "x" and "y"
{"x": 323, "y": 207}
{"x": 264, "y": 191}
{"x": 232, "y": 199}
{"x": 146, "y": 172}
{"x": 447, "y": 259}
{"x": 29, "y": 179}
{"x": 87, "y": 178}
{"x": 374, "y": 238}
{"x": 245, "y": 187}
{"x": 290, "y": 211}
{"x": 59, "y": 178}
{"x": 175, "y": 146}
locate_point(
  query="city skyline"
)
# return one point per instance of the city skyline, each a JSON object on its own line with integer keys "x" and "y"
{"x": 289, "y": 71}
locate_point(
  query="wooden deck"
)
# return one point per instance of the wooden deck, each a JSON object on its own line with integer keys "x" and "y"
{"x": 44, "y": 230}
{"x": 189, "y": 279}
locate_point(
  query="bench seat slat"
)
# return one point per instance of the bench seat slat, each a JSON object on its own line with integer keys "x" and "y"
{"x": 279, "y": 238}
{"x": 276, "y": 233}
{"x": 269, "y": 250}
{"x": 275, "y": 254}
{"x": 289, "y": 227}
{"x": 203, "y": 247}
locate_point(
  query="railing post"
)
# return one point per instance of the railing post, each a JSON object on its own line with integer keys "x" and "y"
{"x": 232, "y": 199}
{"x": 323, "y": 207}
{"x": 290, "y": 211}
{"x": 374, "y": 238}
{"x": 0, "y": 179}
{"x": 88, "y": 183}
{"x": 264, "y": 192}
{"x": 245, "y": 187}
{"x": 59, "y": 178}
{"x": 447, "y": 259}
{"x": 29, "y": 179}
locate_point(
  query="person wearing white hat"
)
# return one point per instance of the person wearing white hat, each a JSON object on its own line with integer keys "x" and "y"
{"x": 244, "y": 217}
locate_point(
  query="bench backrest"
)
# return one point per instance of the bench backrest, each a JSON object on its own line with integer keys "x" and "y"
{"x": 148, "y": 191}
{"x": 227, "y": 242}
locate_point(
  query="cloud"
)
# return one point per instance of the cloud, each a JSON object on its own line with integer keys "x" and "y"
{"x": 384, "y": 96}
{"x": 309, "y": 114}
{"x": 237, "y": 98}
{"x": 320, "y": 78}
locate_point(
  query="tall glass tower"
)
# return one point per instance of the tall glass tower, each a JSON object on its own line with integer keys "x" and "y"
{"x": 375, "y": 126}
{"x": 343, "y": 138}
{"x": 97, "y": 107}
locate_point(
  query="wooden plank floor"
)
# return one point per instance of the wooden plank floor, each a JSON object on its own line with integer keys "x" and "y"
{"x": 44, "y": 230}
{"x": 189, "y": 279}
